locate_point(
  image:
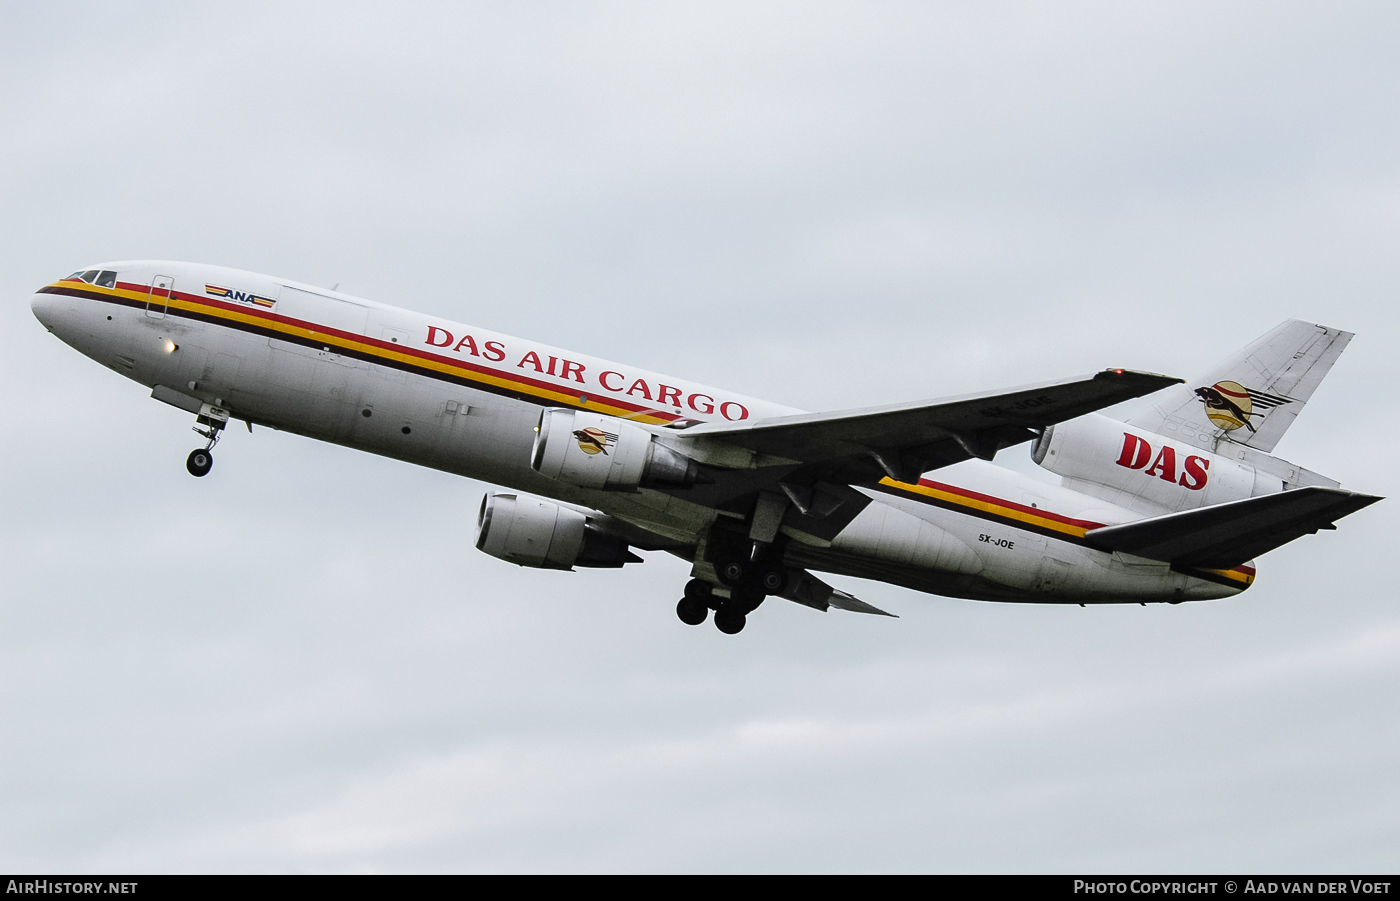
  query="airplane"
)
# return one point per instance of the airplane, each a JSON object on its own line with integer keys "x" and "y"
{"x": 601, "y": 459}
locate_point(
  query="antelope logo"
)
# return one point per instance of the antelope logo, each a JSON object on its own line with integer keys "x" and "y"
{"x": 594, "y": 441}
{"x": 1231, "y": 405}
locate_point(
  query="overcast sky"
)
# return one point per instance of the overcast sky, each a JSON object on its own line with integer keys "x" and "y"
{"x": 300, "y": 663}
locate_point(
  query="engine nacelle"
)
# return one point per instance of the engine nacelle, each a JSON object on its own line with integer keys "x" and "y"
{"x": 528, "y": 531}
{"x": 595, "y": 451}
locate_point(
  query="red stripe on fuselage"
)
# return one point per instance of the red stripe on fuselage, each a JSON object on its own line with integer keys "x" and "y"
{"x": 1012, "y": 505}
{"x": 1013, "y": 522}
{"x": 454, "y": 362}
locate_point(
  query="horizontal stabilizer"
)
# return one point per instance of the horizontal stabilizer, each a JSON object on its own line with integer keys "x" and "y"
{"x": 1226, "y": 535}
{"x": 812, "y": 592}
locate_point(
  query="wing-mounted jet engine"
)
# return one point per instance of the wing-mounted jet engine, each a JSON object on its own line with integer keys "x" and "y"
{"x": 531, "y": 532}
{"x": 595, "y": 451}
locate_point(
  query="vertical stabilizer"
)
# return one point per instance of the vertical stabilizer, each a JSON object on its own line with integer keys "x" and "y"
{"x": 1254, "y": 396}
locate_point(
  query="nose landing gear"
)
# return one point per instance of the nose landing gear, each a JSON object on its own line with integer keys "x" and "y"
{"x": 213, "y": 419}
{"x": 199, "y": 462}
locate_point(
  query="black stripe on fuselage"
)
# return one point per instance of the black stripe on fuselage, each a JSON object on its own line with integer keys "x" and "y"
{"x": 987, "y": 515}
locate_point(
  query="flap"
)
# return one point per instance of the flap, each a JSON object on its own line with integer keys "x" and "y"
{"x": 812, "y": 592}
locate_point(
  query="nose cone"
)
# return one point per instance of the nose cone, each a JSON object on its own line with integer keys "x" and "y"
{"x": 43, "y": 306}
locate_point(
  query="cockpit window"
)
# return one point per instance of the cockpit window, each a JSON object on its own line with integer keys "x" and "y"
{"x": 102, "y": 278}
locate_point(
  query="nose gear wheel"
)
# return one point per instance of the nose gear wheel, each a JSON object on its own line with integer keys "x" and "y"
{"x": 199, "y": 462}
{"x": 213, "y": 419}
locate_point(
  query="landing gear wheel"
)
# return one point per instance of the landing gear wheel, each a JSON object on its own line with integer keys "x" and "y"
{"x": 199, "y": 462}
{"x": 744, "y": 599}
{"x": 729, "y": 621}
{"x": 731, "y": 571}
{"x": 692, "y": 612}
{"x": 700, "y": 590}
{"x": 772, "y": 579}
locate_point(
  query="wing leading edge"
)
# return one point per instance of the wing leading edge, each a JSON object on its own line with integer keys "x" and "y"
{"x": 907, "y": 440}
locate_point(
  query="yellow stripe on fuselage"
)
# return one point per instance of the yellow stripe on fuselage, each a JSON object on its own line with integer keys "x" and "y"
{"x": 1001, "y": 510}
{"x": 1234, "y": 575}
{"x": 561, "y": 397}
{"x": 1241, "y": 575}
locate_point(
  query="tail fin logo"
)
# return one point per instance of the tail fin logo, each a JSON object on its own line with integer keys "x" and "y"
{"x": 1228, "y": 405}
{"x": 1231, "y": 405}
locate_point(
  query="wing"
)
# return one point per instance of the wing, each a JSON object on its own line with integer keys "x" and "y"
{"x": 810, "y": 461}
{"x": 905, "y": 441}
{"x": 1229, "y": 534}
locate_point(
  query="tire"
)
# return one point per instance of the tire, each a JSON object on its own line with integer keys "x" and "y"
{"x": 772, "y": 579}
{"x": 731, "y": 571}
{"x": 729, "y": 621}
{"x": 745, "y": 599}
{"x": 699, "y": 590}
{"x": 692, "y": 612}
{"x": 199, "y": 462}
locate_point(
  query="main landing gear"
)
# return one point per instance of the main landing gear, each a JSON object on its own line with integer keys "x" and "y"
{"x": 747, "y": 562}
{"x": 213, "y": 419}
{"x": 748, "y": 586}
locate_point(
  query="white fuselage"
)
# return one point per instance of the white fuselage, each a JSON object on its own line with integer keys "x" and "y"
{"x": 466, "y": 400}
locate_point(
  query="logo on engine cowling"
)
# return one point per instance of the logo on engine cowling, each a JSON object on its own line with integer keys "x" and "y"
{"x": 594, "y": 441}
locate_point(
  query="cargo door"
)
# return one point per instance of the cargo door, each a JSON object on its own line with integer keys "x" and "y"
{"x": 324, "y": 323}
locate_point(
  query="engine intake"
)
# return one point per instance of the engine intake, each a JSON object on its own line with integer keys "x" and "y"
{"x": 595, "y": 451}
{"x": 531, "y": 532}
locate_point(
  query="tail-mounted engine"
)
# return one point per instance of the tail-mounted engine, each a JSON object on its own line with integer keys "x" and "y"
{"x": 595, "y": 451}
{"x": 528, "y": 531}
{"x": 1128, "y": 466}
